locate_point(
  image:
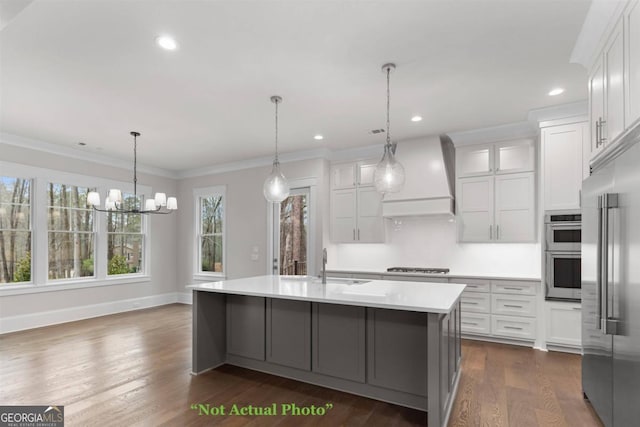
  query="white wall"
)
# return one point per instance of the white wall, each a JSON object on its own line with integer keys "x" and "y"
{"x": 24, "y": 308}
{"x": 431, "y": 242}
{"x": 246, "y": 216}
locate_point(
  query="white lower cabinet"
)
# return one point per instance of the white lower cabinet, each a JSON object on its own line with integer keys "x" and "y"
{"x": 513, "y": 327}
{"x": 475, "y": 323}
{"x": 564, "y": 324}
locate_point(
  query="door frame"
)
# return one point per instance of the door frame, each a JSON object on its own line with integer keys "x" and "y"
{"x": 273, "y": 212}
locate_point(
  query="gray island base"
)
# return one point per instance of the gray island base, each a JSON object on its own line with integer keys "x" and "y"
{"x": 379, "y": 339}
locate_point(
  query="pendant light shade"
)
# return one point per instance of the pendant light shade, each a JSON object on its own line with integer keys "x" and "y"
{"x": 276, "y": 187}
{"x": 389, "y": 173}
{"x": 388, "y": 176}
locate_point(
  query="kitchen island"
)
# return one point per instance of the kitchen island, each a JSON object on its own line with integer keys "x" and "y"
{"x": 388, "y": 340}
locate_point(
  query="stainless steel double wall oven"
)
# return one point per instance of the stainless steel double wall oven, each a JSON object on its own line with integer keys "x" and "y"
{"x": 563, "y": 236}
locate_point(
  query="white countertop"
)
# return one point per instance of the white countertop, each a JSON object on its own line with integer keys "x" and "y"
{"x": 451, "y": 275}
{"x": 397, "y": 295}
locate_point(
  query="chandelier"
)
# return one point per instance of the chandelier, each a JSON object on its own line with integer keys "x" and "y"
{"x": 160, "y": 204}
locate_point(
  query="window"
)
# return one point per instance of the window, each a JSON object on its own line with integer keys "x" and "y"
{"x": 293, "y": 224}
{"x": 71, "y": 236}
{"x": 15, "y": 229}
{"x": 211, "y": 222}
{"x": 125, "y": 239}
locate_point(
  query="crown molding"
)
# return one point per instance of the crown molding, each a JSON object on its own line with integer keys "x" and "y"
{"x": 524, "y": 129}
{"x": 47, "y": 147}
{"x": 317, "y": 153}
{"x": 599, "y": 22}
{"x": 578, "y": 109}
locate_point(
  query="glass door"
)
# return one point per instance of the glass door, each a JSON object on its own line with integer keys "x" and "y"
{"x": 291, "y": 234}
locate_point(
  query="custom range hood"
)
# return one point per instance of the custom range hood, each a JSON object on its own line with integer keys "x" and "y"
{"x": 429, "y": 188}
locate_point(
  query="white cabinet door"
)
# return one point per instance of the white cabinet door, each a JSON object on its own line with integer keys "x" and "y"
{"x": 343, "y": 176}
{"x": 515, "y": 207}
{"x": 515, "y": 156}
{"x": 564, "y": 323}
{"x": 596, "y": 105}
{"x": 370, "y": 226}
{"x": 614, "y": 85}
{"x": 475, "y": 209}
{"x": 365, "y": 173}
{"x": 343, "y": 216}
{"x": 632, "y": 61}
{"x": 474, "y": 160}
{"x": 562, "y": 166}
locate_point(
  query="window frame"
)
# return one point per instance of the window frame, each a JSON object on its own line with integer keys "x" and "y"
{"x": 198, "y": 195}
{"x": 40, "y": 177}
{"x": 30, "y": 230}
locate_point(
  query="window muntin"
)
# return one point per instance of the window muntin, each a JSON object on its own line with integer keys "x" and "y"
{"x": 15, "y": 229}
{"x": 71, "y": 232}
{"x": 125, "y": 239}
{"x": 211, "y": 233}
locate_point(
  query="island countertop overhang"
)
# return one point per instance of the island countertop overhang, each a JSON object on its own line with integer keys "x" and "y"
{"x": 424, "y": 297}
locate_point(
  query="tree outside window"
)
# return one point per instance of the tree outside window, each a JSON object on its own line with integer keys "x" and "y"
{"x": 71, "y": 236}
{"x": 211, "y": 209}
{"x": 15, "y": 229}
{"x": 125, "y": 238}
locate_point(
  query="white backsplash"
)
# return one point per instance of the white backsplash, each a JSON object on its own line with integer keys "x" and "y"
{"x": 431, "y": 242}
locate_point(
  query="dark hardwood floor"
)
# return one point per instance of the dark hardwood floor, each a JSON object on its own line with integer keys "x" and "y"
{"x": 133, "y": 369}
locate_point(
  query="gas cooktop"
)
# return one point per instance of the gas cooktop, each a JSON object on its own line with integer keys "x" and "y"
{"x": 418, "y": 270}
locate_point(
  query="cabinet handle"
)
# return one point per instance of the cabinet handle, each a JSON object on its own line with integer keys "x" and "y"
{"x": 470, "y": 323}
{"x": 513, "y": 306}
{"x": 512, "y": 289}
{"x": 598, "y": 132}
{"x": 472, "y": 286}
{"x": 497, "y": 232}
{"x": 577, "y": 308}
{"x": 490, "y": 232}
{"x": 470, "y": 302}
{"x": 602, "y": 138}
{"x": 513, "y": 327}
{"x": 354, "y": 234}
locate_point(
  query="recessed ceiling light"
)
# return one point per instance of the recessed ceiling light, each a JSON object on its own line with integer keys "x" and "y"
{"x": 82, "y": 144}
{"x": 556, "y": 91}
{"x": 416, "y": 118}
{"x": 167, "y": 42}
{"x": 318, "y": 137}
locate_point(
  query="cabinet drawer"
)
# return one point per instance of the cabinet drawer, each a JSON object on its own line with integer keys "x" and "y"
{"x": 515, "y": 305}
{"x": 513, "y": 287}
{"x": 515, "y": 327}
{"x": 475, "y": 302}
{"x": 474, "y": 323}
{"x": 474, "y": 285}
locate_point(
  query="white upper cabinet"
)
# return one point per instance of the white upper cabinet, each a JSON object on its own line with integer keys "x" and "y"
{"x": 596, "y": 106}
{"x": 614, "y": 85}
{"x": 614, "y": 81}
{"x": 356, "y": 206}
{"x": 632, "y": 51}
{"x": 474, "y": 198}
{"x": 563, "y": 165}
{"x": 514, "y": 207}
{"x": 343, "y": 176}
{"x": 474, "y": 160}
{"x": 501, "y": 157}
{"x": 350, "y": 175}
{"x": 514, "y": 156}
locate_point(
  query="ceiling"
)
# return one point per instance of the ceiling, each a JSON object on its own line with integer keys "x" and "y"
{"x": 91, "y": 72}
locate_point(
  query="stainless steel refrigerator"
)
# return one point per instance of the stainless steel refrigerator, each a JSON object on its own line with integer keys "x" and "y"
{"x": 611, "y": 284}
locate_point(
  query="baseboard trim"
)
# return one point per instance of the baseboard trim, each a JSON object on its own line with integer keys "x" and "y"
{"x": 184, "y": 297}
{"x": 54, "y": 317}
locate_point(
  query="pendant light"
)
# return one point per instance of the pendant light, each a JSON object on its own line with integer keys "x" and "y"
{"x": 389, "y": 174}
{"x": 276, "y": 187}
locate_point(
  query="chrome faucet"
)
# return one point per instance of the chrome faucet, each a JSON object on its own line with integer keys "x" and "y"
{"x": 324, "y": 266}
